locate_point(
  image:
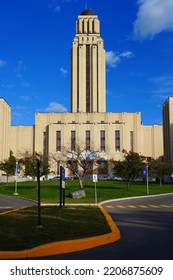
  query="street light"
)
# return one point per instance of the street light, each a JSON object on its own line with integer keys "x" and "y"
{"x": 38, "y": 190}
{"x": 147, "y": 180}
{"x": 16, "y": 173}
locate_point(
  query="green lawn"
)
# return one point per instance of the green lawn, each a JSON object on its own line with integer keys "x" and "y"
{"x": 105, "y": 190}
{"x": 18, "y": 230}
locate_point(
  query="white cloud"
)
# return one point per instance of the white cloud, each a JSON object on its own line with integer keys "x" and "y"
{"x": 2, "y": 63}
{"x": 127, "y": 54}
{"x": 153, "y": 17}
{"x": 55, "y": 107}
{"x": 63, "y": 71}
{"x": 113, "y": 58}
{"x": 163, "y": 87}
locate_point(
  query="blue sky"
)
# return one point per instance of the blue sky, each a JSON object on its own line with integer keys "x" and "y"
{"x": 35, "y": 42}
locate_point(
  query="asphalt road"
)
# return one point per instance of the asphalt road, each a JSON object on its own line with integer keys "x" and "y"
{"x": 12, "y": 202}
{"x": 146, "y": 226}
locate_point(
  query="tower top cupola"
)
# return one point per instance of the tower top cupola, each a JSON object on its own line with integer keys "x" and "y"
{"x": 87, "y": 13}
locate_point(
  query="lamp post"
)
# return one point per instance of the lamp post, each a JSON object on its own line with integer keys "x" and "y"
{"x": 145, "y": 174}
{"x": 16, "y": 173}
{"x": 147, "y": 180}
{"x": 38, "y": 190}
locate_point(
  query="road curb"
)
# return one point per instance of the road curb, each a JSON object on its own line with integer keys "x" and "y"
{"x": 68, "y": 246}
{"x": 133, "y": 197}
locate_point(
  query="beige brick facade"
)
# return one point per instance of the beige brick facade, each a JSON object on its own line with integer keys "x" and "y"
{"x": 88, "y": 123}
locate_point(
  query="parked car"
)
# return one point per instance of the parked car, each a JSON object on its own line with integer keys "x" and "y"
{"x": 71, "y": 177}
{"x": 114, "y": 178}
{"x": 104, "y": 177}
{"x": 56, "y": 177}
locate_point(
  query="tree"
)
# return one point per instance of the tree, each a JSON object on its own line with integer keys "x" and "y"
{"x": 9, "y": 165}
{"x": 159, "y": 168}
{"x": 78, "y": 160}
{"x": 29, "y": 163}
{"x": 130, "y": 168}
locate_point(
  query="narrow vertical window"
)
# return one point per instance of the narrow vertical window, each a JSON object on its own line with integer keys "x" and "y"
{"x": 58, "y": 141}
{"x": 87, "y": 140}
{"x": 131, "y": 141}
{"x": 44, "y": 143}
{"x": 87, "y": 78}
{"x": 117, "y": 140}
{"x": 73, "y": 140}
{"x": 102, "y": 141}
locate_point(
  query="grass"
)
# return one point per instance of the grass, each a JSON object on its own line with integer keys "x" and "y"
{"x": 20, "y": 231}
{"x": 105, "y": 190}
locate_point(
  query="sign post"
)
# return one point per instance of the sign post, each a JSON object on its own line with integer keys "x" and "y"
{"x": 62, "y": 186}
{"x": 38, "y": 190}
{"x": 145, "y": 174}
{"x": 95, "y": 180}
{"x": 17, "y": 172}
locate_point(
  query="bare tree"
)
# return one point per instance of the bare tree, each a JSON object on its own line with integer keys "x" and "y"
{"x": 79, "y": 160}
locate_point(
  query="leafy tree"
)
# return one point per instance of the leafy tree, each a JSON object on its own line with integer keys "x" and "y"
{"x": 159, "y": 168}
{"x": 130, "y": 168}
{"x": 29, "y": 163}
{"x": 78, "y": 160}
{"x": 9, "y": 165}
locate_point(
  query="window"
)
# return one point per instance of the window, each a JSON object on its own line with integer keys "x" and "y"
{"x": 131, "y": 141}
{"x": 73, "y": 140}
{"x": 87, "y": 78}
{"x": 102, "y": 141}
{"x": 117, "y": 140}
{"x": 58, "y": 141}
{"x": 44, "y": 143}
{"x": 87, "y": 140}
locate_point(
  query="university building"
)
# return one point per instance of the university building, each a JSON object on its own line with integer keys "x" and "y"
{"x": 168, "y": 129}
{"x": 88, "y": 122}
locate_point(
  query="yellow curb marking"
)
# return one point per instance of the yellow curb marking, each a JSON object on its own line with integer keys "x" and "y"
{"x": 6, "y": 207}
{"x": 154, "y": 206}
{"x": 165, "y": 206}
{"x": 140, "y": 206}
{"x": 62, "y": 247}
{"x": 13, "y": 210}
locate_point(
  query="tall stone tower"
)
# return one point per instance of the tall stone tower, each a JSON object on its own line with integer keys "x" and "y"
{"x": 88, "y": 80}
{"x": 5, "y": 119}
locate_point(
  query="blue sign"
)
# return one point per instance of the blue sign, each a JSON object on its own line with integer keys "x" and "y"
{"x": 62, "y": 177}
{"x": 18, "y": 169}
{"x": 144, "y": 171}
{"x": 62, "y": 173}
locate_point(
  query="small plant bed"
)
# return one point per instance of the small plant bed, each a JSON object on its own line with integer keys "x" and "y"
{"x": 18, "y": 230}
